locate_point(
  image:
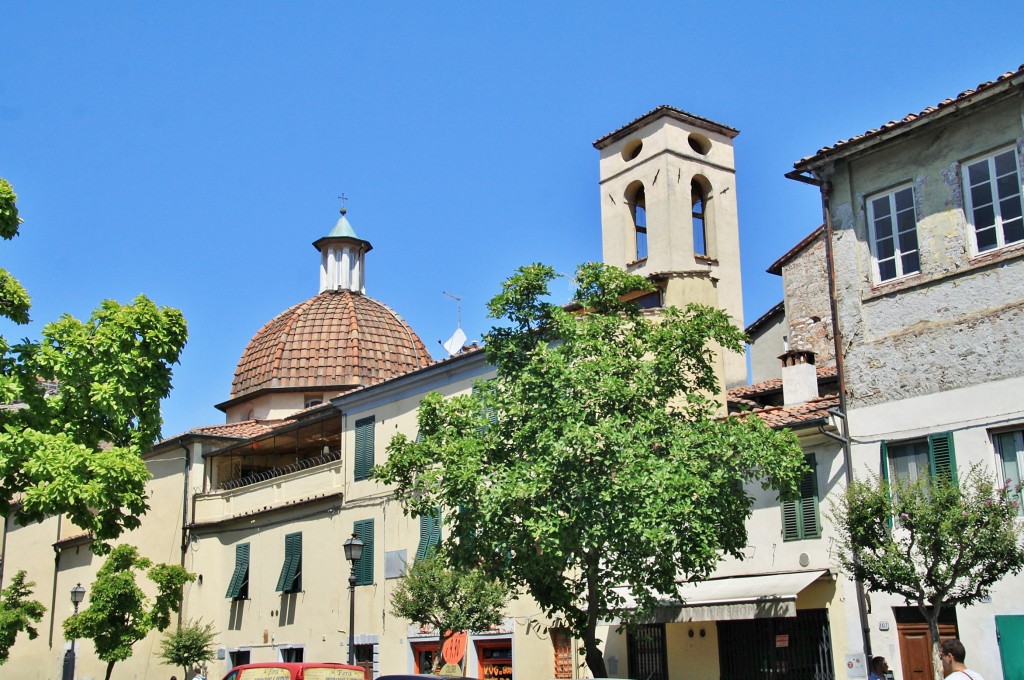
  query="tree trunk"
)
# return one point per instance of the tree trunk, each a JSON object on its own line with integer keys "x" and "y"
{"x": 110, "y": 669}
{"x": 933, "y": 629}
{"x": 442, "y": 637}
{"x": 594, "y": 656}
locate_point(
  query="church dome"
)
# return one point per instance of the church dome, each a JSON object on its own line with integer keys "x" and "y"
{"x": 338, "y": 339}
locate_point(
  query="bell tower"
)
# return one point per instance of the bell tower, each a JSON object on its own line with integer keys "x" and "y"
{"x": 668, "y": 212}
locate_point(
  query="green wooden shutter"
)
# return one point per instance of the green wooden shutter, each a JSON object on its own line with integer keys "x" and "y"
{"x": 364, "y": 448}
{"x": 790, "y": 521}
{"x": 238, "y": 586}
{"x": 290, "y": 580}
{"x": 489, "y": 413}
{"x": 424, "y": 548}
{"x": 885, "y": 462}
{"x": 810, "y": 527}
{"x": 941, "y": 456}
{"x": 800, "y": 516}
{"x": 430, "y": 533}
{"x": 364, "y": 568}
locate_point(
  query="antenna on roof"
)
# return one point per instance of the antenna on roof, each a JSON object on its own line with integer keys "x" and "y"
{"x": 458, "y": 300}
{"x": 458, "y": 339}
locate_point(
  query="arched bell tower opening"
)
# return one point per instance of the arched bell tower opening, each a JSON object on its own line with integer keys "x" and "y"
{"x": 668, "y": 212}
{"x": 637, "y": 202}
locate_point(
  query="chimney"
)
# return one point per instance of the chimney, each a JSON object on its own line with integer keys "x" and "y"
{"x": 799, "y": 377}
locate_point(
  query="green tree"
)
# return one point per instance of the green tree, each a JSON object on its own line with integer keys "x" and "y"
{"x": 119, "y": 614}
{"x": 449, "y": 600}
{"x": 935, "y": 542}
{"x": 189, "y": 646}
{"x": 17, "y": 613}
{"x": 594, "y": 463}
{"x": 78, "y": 452}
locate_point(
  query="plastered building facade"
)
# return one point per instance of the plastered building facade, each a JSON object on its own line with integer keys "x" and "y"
{"x": 924, "y": 221}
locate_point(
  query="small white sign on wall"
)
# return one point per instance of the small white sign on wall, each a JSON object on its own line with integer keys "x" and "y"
{"x": 856, "y": 667}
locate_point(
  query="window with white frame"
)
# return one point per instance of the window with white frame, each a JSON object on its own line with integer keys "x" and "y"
{"x": 992, "y": 192}
{"x": 894, "y": 234}
{"x": 1010, "y": 447}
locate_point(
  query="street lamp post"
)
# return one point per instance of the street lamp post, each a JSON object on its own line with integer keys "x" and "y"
{"x": 353, "y": 553}
{"x": 77, "y": 595}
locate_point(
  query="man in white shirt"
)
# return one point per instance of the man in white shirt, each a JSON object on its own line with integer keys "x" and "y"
{"x": 952, "y": 654}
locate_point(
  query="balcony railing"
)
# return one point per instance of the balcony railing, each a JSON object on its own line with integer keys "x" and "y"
{"x": 271, "y": 473}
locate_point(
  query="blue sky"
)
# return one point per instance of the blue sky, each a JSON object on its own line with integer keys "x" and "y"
{"x": 194, "y": 151}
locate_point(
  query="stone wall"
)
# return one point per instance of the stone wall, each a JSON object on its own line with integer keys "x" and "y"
{"x": 957, "y": 322}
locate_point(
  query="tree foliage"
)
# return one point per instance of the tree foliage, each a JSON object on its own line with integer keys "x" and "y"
{"x": 119, "y": 613}
{"x": 77, "y": 452}
{"x": 449, "y": 600}
{"x": 189, "y": 646}
{"x": 17, "y": 611}
{"x": 932, "y": 541}
{"x": 595, "y": 459}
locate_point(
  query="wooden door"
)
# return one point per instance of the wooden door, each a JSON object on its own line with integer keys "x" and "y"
{"x": 916, "y": 648}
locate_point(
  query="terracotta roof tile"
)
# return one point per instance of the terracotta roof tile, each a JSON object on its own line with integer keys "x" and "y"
{"x": 909, "y": 118}
{"x": 791, "y": 416}
{"x": 243, "y": 430}
{"x": 337, "y": 338}
{"x": 773, "y": 385}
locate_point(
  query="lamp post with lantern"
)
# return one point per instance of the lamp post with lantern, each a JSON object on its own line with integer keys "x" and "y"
{"x": 353, "y": 553}
{"x": 77, "y": 595}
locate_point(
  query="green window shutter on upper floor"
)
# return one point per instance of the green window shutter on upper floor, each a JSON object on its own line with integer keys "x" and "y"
{"x": 238, "y": 587}
{"x": 800, "y": 518}
{"x": 430, "y": 534}
{"x": 942, "y": 458}
{"x": 290, "y": 580}
{"x": 364, "y": 448}
{"x": 364, "y": 567}
{"x": 489, "y": 413}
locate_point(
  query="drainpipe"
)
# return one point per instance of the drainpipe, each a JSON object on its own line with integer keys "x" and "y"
{"x": 184, "y": 513}
{"x": 819, "y": 178}
{"x": 56, "y": 573}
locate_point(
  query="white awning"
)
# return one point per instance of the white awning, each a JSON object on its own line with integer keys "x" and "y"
{"x": 764, "y": 596}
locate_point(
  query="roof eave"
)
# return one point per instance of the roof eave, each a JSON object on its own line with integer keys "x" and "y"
{"x": 883, "y": 134}
{"x": 660, "y": 112}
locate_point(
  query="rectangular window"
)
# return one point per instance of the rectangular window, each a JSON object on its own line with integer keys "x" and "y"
{"x": 1010, "y": 447}
{"x": 894, "y": 234}
{"x": 292, "y": 654}
{"x": 430, "y": 534}
{"x": 992, "y": 199}
{"x": 800, "y": 516}
{"x": 364, "y": 448}
{"x": 364, "y": 567}
{"x": 238, "y": 588}
{"x": 290, "y": 580}
{"x": 910, "y": 460}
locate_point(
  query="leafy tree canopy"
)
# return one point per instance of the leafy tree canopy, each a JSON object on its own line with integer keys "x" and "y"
{"x": 78, "y": 452}
{"x": 119, "y": 614}
{"x": 17, "y": 613}
{"x": 449, "y": 600}
{"x": 594, "y": 464}
{"x": 190, "y": 646}
{"x": 935, "y": 542}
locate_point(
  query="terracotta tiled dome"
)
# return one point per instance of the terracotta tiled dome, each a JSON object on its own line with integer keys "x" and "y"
{"x": 339, "y": 338}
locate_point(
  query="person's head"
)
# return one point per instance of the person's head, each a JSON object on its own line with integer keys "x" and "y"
{"x": 879, "y": 665}
{"x": 951, "y": 651}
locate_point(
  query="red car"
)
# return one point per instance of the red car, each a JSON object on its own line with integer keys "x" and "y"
{"x": 283, "y": 670}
